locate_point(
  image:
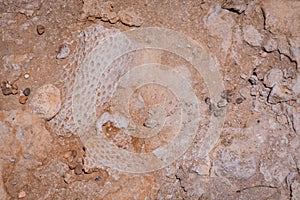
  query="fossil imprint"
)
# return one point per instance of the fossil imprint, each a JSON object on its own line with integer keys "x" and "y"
{"x": 99, "y": 72}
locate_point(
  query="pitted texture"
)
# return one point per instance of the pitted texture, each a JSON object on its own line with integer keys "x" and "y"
{"x": 89, "y": 65}
{"x": 101, "y": 72}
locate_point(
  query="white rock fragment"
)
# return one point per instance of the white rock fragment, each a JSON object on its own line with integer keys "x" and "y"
{"x": 252, "y": 36}
{"x": 46, "y": 101}
{"x": 26, "y": 76}
{"x": 243, "y": 76}
{"x": 279, "y": 94}
{"x": 272, "y": 77}
{"x": 63, "y": 51}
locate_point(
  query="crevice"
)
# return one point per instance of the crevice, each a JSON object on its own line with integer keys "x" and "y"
{"x": 182, "y": 187}
{"x": 256, "y": 186}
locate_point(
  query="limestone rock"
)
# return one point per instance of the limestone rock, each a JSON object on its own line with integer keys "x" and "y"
{"x": 279, "y": 94}
{"x": 271, "y": 45}
{"x": 230, "y": 164}
{"x": 252, "y": 36}
{"x": 272, "y": 77}
{"x": 46, "y": 101}
{"x": 283, "y": 23}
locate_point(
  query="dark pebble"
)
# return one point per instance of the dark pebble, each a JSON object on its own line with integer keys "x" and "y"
{"x": 207, "y": 100}
{"x": 40, "y": 29}
{"x": 239, "y": 100}
{"x": 97, "y": 178}
{"x": 26, "y": 92}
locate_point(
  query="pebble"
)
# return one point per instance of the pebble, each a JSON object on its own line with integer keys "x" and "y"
{"x": 63, "y": 51}
{"x": 67, "y": 178}
{"x": 264, "y": 54}
{"x": 97, "y": 178}
{"x": 26, "y": 92}
{"x": 26, "y": 76}
{"x": 6, "y": 88}
{"x": 23, "y": 99}
{"x": 271, "y": 45}
{"x": 243, "y": 76}
{"x": 222, "y": 103}
{"x": 207, "y": 100}
{"x": 46, "y": 101}
{"x": 226, "y": 94}
{"x": 40, "y": 29}
{"x": 15, "y": 86}
{"x": 68, "y": 154}
{"x": 22, "y": 194}
{"x": 253, "y": 80}
{"x": 78, "y": 169}
{"x": 239, "y": 100}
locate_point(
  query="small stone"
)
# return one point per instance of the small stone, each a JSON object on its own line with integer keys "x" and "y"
{"x": 97, "y": 178}
{"x": 253, "y": 80}
{"x": 6, "y": 88}
{"x": 14, "y": 89}
{"x": 15, "y": 86}
{"x": 63, "y": 51}
{"x": 40, "y": 29}
{"x": 68, "y": 154}
{"x": 207, "y": 100}
{"x": 68, "y": 178}
{"x": 26, "y": 76}
{"x": 264, "y": 54}
{"x": 239, "y": 100}
{"x": 72, "y": 164}
{"x": 253, "y": 91}
{"x": 243, "y": 76}
{"x": 26, "y": 92}
{"x": 78, "y": 169}
{"x": 46, "y": 101}
{"x": 271, "y": 45}
{"x": 272, "y": 77}
{"x": 226, "y": 94}
{"x": 22, "y": 194}
{"x": 23, "y": 99}
{"x": 222, "y": 103}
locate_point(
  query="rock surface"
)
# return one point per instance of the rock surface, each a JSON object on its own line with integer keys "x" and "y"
{"x": 255, "y": 45}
